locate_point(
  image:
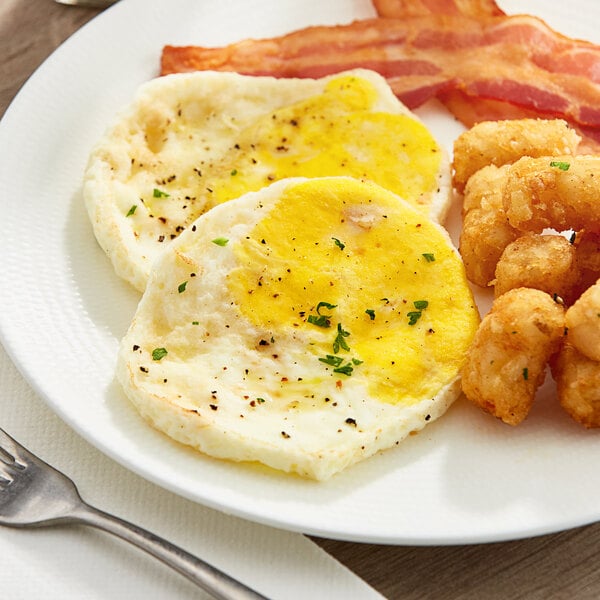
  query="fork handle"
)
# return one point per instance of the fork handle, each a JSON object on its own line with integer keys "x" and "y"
{"x": 217, "y": 583}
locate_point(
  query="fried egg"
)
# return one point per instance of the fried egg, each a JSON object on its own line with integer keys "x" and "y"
{"x": 305, "y": 326}
{"x": 189, "y": 142}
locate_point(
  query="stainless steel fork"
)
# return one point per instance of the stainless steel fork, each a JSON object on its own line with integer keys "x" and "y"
{"x": 88, "y": 3}
{"x": 32, "y": 493}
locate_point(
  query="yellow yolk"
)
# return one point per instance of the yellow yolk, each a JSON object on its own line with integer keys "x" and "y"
{"x": 334, "y": 133}
{"x": 375, "y": 288}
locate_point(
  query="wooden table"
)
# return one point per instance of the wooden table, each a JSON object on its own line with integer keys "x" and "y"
{"x": 562, "y": 565}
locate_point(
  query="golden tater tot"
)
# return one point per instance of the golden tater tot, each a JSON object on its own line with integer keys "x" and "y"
{"x": 587, "y": 252}
{"x": 507, "y": 360}
{"x": 561, "y": 193}
{"x": 503, "y": 142}
{"x": 485, "y": 189}
{"x": 486, "y": 232}
{"x": 543, "y": 262}
{"x": 484, "y": 237}
{"x": 583, "y": 323}
{"x": 578, "y": 385}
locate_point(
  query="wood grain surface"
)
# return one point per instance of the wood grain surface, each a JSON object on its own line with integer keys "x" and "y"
{"x": 564, "y": 565}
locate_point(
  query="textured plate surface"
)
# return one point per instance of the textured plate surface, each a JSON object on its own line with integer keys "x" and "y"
{"x": 465, "y": 478}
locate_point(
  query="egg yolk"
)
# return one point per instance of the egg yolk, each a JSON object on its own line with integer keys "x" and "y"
{"x": 337, "y": 132}
{"x": 375, "y": 287}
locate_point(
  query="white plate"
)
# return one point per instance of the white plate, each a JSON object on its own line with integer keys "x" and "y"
{"x": 466, "y": 478}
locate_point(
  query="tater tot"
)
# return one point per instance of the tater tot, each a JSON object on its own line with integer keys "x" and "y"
{"x": 485, "y": 189}
{"x": 583, "y": 323}
{"x": 507, "y": 360}
{"x": 561, "y": 193}
{"x": 503, "y": 142}
{"x": 587, "y": 252}
{"x": 578, "y": 385}
{"x": 543, "y": 262}
{"x": 484, "y": 237}
{"x": 486, "y": 232}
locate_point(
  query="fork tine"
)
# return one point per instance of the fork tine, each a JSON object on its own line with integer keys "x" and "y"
{"x": 5, "y": 475}
{"x": 11, "y": 451}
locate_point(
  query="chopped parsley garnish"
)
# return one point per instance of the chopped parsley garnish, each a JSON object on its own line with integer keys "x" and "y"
{"x": 345, "y": 370}
{"x": 319, "y": 320}
{"x": 325, "y": 305}
{"x": 181, "y": 287}
{"x": 131, "y": 210}
{"x": 195, "y": 322}
{"x": 159, "y": 353}
{"x": 339, "y": 341}
{"x": 559, "y": 164}
{"x": 525, "y": 373}
{"x": 159, "y": 193}
{"x": 348, "y": 368}
{"x": 220, "y": 241}
{"x": 334, "y": 361}
{"x": 428, "y": 257}
{"x": 415, "y": 315}
{"x": 371, "y": 313}
{"x": 234, "y": 172}
{"x": 339, "y": 243}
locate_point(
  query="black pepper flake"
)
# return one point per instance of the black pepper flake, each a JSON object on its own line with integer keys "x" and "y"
{"x": 213, "y": 406}
{"x": 144, "y": 369}
{"x": 285, "y": 435}
{"x": 351, "y": 421}
{"x": 427, "y": 417}
{"x": 135, "y": 347}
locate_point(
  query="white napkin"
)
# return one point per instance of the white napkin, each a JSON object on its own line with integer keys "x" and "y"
{"x": 76, "y": 562}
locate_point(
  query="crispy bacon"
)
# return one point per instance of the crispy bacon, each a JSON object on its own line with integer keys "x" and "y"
{"x": 470, "y": 110}
{"x": 516, "y": 61}
{"x": 399, "y": 9}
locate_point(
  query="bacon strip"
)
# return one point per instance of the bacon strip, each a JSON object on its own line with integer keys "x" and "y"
{"x": 516, "y": 60}
{"x": 399, "y": 9}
